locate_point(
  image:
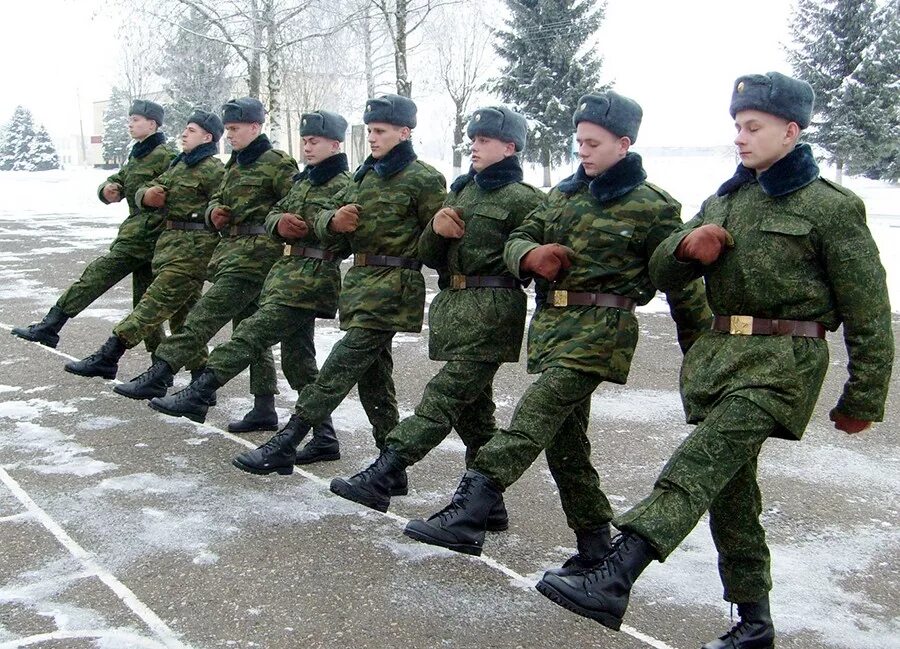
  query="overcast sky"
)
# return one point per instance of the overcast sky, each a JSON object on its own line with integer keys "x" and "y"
{"x": 677, "y": 59}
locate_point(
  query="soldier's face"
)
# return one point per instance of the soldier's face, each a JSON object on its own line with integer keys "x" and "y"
{"x": 488, "y": 150}
{"x": 383, "y": 137}
{"x": 240, "y": 134}
{"x": 599, "y": 149}
{"x": 193, "y": 136}
{"x": 763, "y": 139}
{"x": 316, "y": 149}
{"x": 139, "y": 127}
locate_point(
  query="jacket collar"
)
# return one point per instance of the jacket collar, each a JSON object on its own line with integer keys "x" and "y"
{"x": 145, "y": 146}
{"x": 500, "y": 174}
{"x": 197, "y": 154}
{"x": 324, "y": 171}
{"x": 393, "y": 163}
{"x": 251, "y": 153}
{"x": 613, "y": 183}
{"x": 794, "y": 171}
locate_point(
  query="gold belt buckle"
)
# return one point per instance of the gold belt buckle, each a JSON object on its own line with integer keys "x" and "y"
{"x": 359, "y": 259}
{"x": 457, "y": 282}
{"x": 287, "y": 250}
{"x": 560, "y": 298}
{"x": 741, "y": 325}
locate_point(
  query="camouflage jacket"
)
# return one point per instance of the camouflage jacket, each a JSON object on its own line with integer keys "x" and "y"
{"x": 613, "y": 223}
{"x": 397, "y": 195}
{"x": 256, "y": 178}
{"x": 189, "y": 184}
{"x": 303, "y": 282}
{"x": 479, "y": 324}
{"x": 802, "y": 252}
{"x": 138, "y": 232}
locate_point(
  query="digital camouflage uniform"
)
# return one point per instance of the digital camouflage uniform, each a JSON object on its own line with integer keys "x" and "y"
{"x": 255, "y": 179}
{"x": 132, "y": 250}
{"x": 802, "y": 251}
{"x": 397, "y": 195}
{"x": 613, "y": 224}
{"x": 181, "y": 256}
{"x": 473, "y": 329}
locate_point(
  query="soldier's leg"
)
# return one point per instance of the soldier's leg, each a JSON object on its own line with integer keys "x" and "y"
{"x": 717, "y": 449}
{"x": 298, "y": 350}
{"x": 740, "y": 539}
{"x": 378, "y": 395}
{"x": 447, "y": 396}
{"x": 476, "y": 424}
{"x": 96, "y": 279}
{"x": 538, "y": 417}
{"x": 141, "y": 279}
{"x": 263, "y": 377}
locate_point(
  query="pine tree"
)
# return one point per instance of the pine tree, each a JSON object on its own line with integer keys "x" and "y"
{"x": 43, "y": 154}
{"x": 17, "y": 143}
{"x": 548, "y": 69}
{"x": 115, "y": 136}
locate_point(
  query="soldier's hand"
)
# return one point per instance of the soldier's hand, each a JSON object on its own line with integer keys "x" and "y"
{"x": 850, "y": 425}
{"x": 705, "y": 244}
{"x": 448, "y": 223}
{"x": 154, "y": 196}
{"x": 547, "y": 261}
{"x": 345, "y": 219}
{"x": 220, "y": 216}
{"x": 112, "y": 192}
{"x": 291, "y": 226}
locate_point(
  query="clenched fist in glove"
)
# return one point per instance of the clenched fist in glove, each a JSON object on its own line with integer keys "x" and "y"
{"x": 547, "y": 261}
{"x": 448, "y": 223}
{"x": 154, "y": 196}
{"x": 291, "y": 226}
{"x": 705, "y": 244}
{"x": 345, "y": 219}
{"x": 220, "y": 216}
{"x": 112, "y": 192}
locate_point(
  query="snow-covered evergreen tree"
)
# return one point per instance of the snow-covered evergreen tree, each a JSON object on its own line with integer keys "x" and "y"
{"x": 548, "y": 69}
{"x": 24, "y": 149}
{"x": 43, "y": 154}
{"x": 115, "y": 135}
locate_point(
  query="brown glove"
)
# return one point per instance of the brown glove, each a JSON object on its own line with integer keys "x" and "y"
{"x": 705, "y": 244}
{"x": 547, "y": 261}
{"x": 220, "y": 216}
{"x": 112, "y": 192}
{"x": 448, "y": 223}
{"x": 154, "y": 196}
{"x": 345, "y": 219}
{"x": 291, "y": 226}
{"x": 848, "y": 424}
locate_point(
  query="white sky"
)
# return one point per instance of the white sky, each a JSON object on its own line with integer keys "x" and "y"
{"x": 677, "y": 59}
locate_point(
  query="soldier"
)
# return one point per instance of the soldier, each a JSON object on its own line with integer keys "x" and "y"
{"x": 256, "y": 177}
{"x": 785, "y": 255}
{"x": 476, "y": 322}
{"x": 592, "y": 238}
{"x": 183, "y": 249}
{"x": 381, "y": 214}
{"x": 303, "y": 284}
{"x": 132, "y": 249}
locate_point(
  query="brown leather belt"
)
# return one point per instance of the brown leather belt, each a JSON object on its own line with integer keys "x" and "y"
{"x": 483, "y": 281}
{"x": 306, "y": 251}
{"x": 185, "y": 225}
{"x": 242, "y": 230}
{"x": 365, "y": 259}
{"x": 746, "y": 325}
{"x": 574, "y": 298}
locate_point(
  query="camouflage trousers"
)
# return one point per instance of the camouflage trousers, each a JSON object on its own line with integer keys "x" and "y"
{"x": 714, "y": 469}
{"x": 361, "y": 358}
{"x": 552, "y": 416}
{"x": 459, "y": 396}
{"x": 233, "y": 298}
{"x": 101, "y": 275}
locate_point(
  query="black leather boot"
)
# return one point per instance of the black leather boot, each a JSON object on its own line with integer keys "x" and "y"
{"x": 593, "y": 546}
{"x": 323, "y": 447}
{"x": 195, "y": 374}
{"x": 152, "y": 383}
{"x": 261, "y": 416}
{"x": 372, "y": 486}
{"x": 278, "y": 453}
{"x": 602, "y": 593}
{"x": 754, "y": 631}
{"x": 498, "y": 519}
{"x": 103, "y": 362}
{"x": 46, "y": 331}
{"x": 193, "y": 401}
{"x": 461, "y": 525}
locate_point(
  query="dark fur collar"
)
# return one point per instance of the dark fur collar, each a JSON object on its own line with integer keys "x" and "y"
{"x": 324, "y": 171}
{"x": 794, "y": 171}
{"x": 145, "y": 146}
{"x": 613, "y": 183}
{"x": 393, "y": 163}
{"x": 196, "y": 155}
{"x": 250, "y": 153}
{"x": 500, "y": 174}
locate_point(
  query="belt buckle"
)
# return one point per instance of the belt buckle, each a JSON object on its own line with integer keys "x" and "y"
{"x": 287, "y": 250}
{"x": 741, "y": 325}
{"x": 560, "y": 298}
{"x": 359, "y": 259}
{"x": 457, "y": 282}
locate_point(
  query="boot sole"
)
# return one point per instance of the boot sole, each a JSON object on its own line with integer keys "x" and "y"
{"x": 607, "y": 620}
{"x": 330, "y": 457}
{"x": 138, "y": 397}
{"x": 340, "y": 488}
{"x": 102, "y": 375}
{"x": 462, "y": 548}
{"x": 500, "y": 527}
{"x": 282, "y": 470}
{"x": 255, "y": 429}
{"x": 200, "y": 419}
{"x": 46, "y": 343}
